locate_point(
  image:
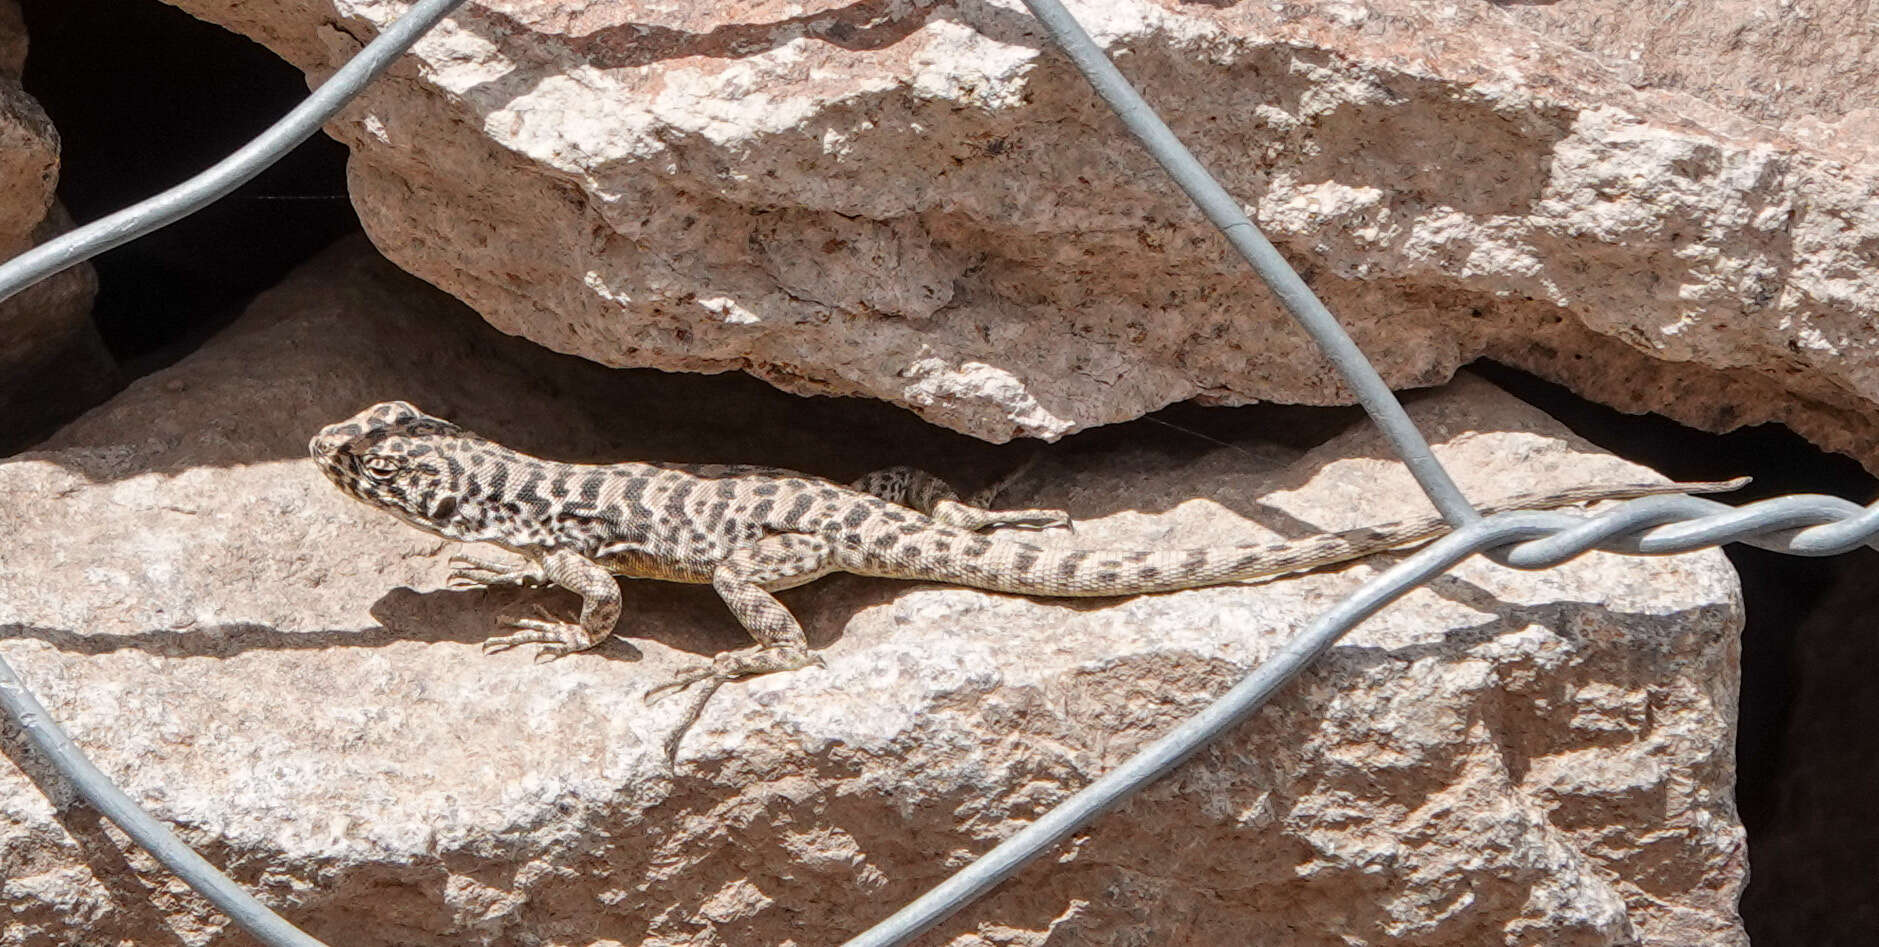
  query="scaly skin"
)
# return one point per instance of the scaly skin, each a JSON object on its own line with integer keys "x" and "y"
{"x": 752, "y": 531}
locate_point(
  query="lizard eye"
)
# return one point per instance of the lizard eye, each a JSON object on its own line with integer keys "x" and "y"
{"x": 381, "y": 468}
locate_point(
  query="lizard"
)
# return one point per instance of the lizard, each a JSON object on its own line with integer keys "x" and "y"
{"x": 751, "y": 531}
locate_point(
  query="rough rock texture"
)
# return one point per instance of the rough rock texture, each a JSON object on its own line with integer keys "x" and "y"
{"x": 275, "y": 670}
{"x": 1667, "y": 207}
{"x": 52, "y": 363}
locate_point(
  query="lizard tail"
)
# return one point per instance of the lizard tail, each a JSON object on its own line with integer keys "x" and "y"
{"x": 1023, "y": 568}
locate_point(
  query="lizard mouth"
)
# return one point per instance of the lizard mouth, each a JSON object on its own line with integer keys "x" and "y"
{"x": 330, "y": 454}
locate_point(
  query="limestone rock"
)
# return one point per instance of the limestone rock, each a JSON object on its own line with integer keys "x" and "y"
{"x": 52, "y": 362}
{"x": 922, "y": 203}
{"x": 274, "y": 670}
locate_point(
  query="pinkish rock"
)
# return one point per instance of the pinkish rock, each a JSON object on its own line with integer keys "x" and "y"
{"x": 922, "y": 203}
{"x": 277, "y": 672}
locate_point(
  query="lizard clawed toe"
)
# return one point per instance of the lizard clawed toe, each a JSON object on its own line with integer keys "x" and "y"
{"x": 472, "y": 572}
{"x": 680, "y": 682}
{"x": 690, "y": 716}
{"x": 557, "y": 638}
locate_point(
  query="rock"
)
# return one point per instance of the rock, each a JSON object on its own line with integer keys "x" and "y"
{"x": 29, "y": 164}
{"x": 52, "y": 362}
{"x": 276, "y": 671}
{"x": 923, "y": 203}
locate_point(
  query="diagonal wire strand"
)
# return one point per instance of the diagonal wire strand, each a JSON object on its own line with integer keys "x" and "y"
{"x": 1224, "y": 212}
{"x": 1802, "y": 525}
{"x": 1661, "y": 525}
{"x": 116, "y": 229}
{"x": 1810, "y": 525}
{"x": 88, "y": 241}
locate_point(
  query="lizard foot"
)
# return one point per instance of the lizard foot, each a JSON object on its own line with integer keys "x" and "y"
{"x": 476, "y": 573}
{"x": 725, "y": 667}
{"x": 556, "y": 637}
{"x": 735, "y": 664}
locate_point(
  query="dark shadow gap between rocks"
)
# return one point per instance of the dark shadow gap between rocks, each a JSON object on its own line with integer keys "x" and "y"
{"x": 145, "y": 96}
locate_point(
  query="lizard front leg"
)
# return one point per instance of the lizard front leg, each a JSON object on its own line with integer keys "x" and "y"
{"x": 913, "y": 487}
{"x": 600, "y": 603}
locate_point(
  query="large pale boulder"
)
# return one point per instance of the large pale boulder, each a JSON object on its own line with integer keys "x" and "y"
{"x": 52, "y": 362}
{"x": 276, "y": 671}
{"x": 923, "y": 203}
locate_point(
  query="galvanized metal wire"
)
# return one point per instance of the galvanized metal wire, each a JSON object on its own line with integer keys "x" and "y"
{"x": 1225, "y": 213}
{"x": 1808, "y": 525}
{"x": 225, "y": 176}
{"x": 102, "y": 794}
{"x": 88, "y": 241}
{"x": 1662, "y": 525}
{"x": 1650, "y": 526}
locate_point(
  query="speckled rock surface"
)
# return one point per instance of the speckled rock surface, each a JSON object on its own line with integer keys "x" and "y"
{"x": 276, "y": 671}
{"x": 1665, "y": 208}
{"x": 52, "y": 363}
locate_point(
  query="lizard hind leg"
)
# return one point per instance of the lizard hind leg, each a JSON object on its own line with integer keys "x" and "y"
{"x": 745, "y": 580}
{"x": 913, "y": 487}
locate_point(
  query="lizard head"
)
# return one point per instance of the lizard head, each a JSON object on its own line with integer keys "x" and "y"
{"x": 397, "y": 458}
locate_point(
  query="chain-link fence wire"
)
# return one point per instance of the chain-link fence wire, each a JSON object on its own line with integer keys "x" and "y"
{"x": 82, "y": 244}
{"x": 1802, "y": 524}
